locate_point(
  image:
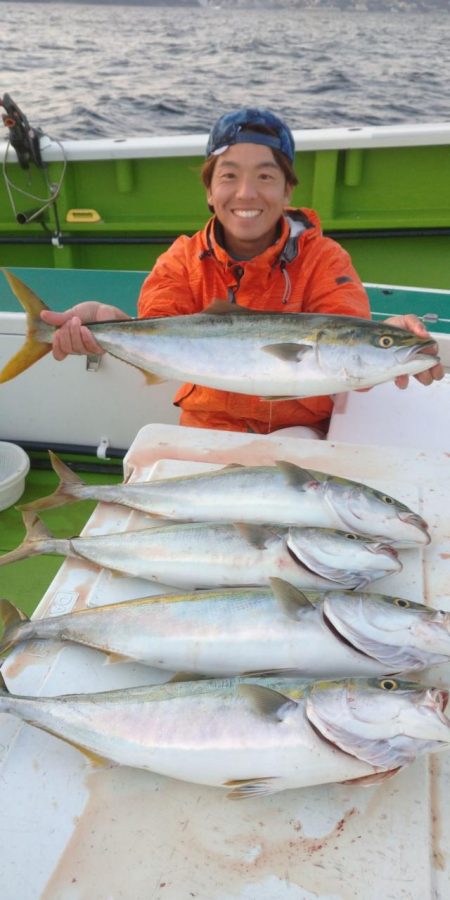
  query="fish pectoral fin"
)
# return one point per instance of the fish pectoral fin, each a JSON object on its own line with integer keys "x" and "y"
{"x": 265, "y": 701}
{"x": 287, "y": 352}
{"x": 289, "y": 597}
{"x": 246, "y": 788}
{"x": 295, "y": 475}
{"x": 375, "y": 778}
{"x": 256, "y": 535}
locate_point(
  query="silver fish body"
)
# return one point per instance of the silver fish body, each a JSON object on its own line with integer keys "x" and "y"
{"x": 213, "y": 555}
{"x": 283, "y": 494}
{"x": 267, "y": 354}
{"x": 231, "y": 348}
{"x": 333, "y": 634}
{"x": 255, "y": 738}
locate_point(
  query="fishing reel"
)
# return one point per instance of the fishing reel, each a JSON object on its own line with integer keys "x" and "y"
{"x": 22, "y": 136}
{"x": 26, "y": 141}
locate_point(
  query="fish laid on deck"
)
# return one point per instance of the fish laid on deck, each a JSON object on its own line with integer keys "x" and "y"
{"x": 252, "y": 738}
{"x": 333, "y": 634}
{"x": 231, "y": 348}
{"x": 283, "y": 494}
{"x": 199, "y": 555}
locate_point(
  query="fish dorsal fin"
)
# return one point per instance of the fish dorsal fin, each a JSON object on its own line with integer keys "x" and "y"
{"x": 265, "y": 701}
{"x": 288, "y": 352}
{"x": 295, "y": 475}
{"x": 224, "y": 308}
{"x": 256, "y": 535}
{"x": 247, "y": 788}
{"x": 289, "y": 597}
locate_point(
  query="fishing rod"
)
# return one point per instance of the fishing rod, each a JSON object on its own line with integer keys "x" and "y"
{"x": 26, "y": 141}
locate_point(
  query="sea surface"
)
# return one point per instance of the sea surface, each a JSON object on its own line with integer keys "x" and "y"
{"x": 80, "y": 70}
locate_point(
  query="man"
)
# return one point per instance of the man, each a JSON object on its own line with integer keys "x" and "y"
{"x": 255, "y": 251}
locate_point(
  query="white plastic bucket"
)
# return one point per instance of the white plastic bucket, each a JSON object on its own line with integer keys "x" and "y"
{"x": 14, "y": 466}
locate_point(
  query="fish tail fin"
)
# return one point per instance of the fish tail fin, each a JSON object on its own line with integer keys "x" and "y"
{"x": 34, "y": 347}
{"x": 37, "y": 535}
{"x": 11, "y": 619}
{"x": 64, "y": 492}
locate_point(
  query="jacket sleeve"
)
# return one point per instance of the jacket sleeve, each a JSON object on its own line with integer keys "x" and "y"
{"x": 166, "y": 291}
{"x": 333, "y": 285}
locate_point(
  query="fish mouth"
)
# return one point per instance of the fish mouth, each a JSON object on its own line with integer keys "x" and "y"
{"x": 439, "y": 701}
{"x": 416, "y": 522}
{"x": 385, "y": 550}
{"x": 424, "y": 348}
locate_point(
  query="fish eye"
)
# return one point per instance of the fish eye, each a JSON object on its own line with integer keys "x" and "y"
{"x": 388, "y": 684}
{"x": 351, "y": 537}
{"x": 386, "y": 341}
{"x": 399, "y": 601}
{"x": 388, "y": 499}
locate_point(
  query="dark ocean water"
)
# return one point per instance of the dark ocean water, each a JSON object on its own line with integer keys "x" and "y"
{"x": 122, "y": 70}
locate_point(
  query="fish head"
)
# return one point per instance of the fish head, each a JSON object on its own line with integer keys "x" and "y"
{"x": 363, "y": 349}
{"x": 384, "y": 722}
{"x": 358, "y": 507}
{"x": 400, "y": 634}
{"x": 345, "y": 558}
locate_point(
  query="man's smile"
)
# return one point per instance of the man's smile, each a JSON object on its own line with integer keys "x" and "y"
{"x": 247, "y": 213}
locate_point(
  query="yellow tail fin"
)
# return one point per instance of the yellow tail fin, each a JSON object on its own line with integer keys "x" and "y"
{"x": 33, "y": 348}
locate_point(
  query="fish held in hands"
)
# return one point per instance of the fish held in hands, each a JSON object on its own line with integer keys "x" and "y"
{"x": 231, "y": 348}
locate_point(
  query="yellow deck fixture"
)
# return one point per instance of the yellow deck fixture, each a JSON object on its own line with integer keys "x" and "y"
{"x": 83, "y": 215}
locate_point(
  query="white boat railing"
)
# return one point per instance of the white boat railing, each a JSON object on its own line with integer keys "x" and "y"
{"x": 426, "y": 134}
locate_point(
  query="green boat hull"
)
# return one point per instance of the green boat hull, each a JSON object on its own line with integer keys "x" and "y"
{"x": 389, "y": 206}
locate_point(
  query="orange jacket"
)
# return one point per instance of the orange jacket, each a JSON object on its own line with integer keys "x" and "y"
{"x": 301, "y": 272}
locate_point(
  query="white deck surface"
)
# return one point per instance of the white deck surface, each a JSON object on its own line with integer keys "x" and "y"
{"x": 72, "y": 832}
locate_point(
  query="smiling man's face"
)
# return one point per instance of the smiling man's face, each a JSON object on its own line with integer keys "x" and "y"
{"x": 249, "y": 193}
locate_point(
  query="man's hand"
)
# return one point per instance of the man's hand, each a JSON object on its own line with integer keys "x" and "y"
{"x": 71, "y": 335}
{"x": 412, "y": 323}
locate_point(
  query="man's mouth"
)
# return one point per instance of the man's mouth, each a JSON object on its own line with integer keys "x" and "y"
{"x": 246, "y": 213}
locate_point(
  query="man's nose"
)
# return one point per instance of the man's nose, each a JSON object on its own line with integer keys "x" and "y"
{"x": 246, "y": 187}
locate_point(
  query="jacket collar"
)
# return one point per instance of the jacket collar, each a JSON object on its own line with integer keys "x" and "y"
{"x": 285, "y": 249}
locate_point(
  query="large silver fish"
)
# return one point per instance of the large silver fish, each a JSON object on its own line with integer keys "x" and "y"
{"x": 283, "y": 494}
{"x": 214, "y": 555}
{"x": 232, "y": 348}
{"x": 227, "y": 632}
{"x": 253, "y": 738}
